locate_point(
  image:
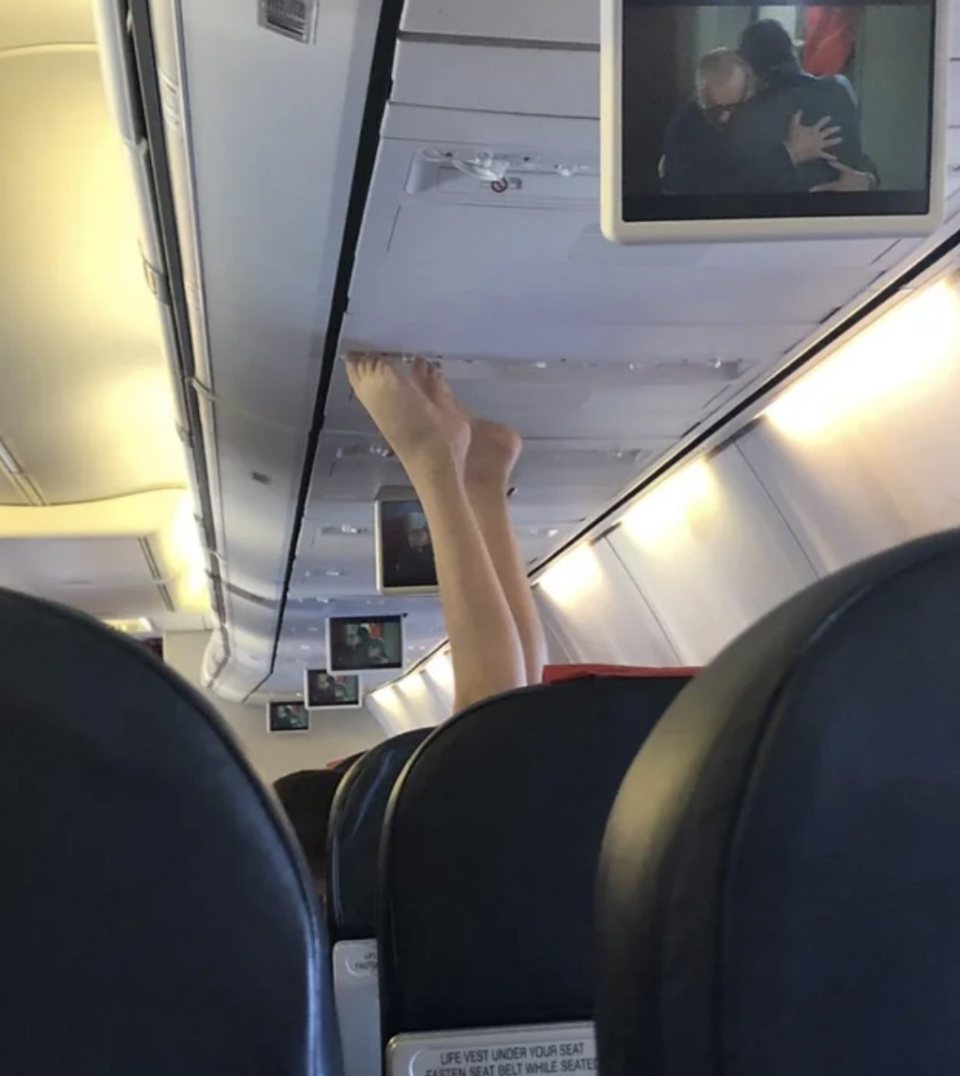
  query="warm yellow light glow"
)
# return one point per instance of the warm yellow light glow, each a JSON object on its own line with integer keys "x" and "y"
{"x": 575, "y": 574}
{"x": 192, "y": 585}
{"x": 906, "y": 351}
{"x": 440, "y": 671}
{"x": 654, "y": 520}
{"x": 137, "y": 626}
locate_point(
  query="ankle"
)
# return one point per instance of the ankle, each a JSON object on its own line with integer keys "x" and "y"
{"x": 487, "y": 487}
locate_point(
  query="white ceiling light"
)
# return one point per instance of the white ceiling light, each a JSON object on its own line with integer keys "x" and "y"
{"x": 9, "y": 463}
{"x": 906, "y": 352}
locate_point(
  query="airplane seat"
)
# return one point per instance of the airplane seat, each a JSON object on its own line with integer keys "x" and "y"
{"x": 356, "y": 822}
{"x": 779, "y": 881}
{"x": 156, "y": 916}
{"x": 489, "y": 854}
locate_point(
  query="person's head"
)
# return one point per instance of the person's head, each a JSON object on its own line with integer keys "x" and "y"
{"x": 724, "y": 82}
{"x": 363, "y": 635}
{"x": 766, "y": 45}
{"x": 418, "y": 539}
{"x": 306, "y": 798}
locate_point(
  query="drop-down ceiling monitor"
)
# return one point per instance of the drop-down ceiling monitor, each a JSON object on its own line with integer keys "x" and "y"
{"x": 723, "y": 121}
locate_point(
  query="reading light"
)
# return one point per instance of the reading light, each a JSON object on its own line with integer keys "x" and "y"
{"x": 653, "y": 520}
{"x": 576, "y": 572}
{"x": 902, "y": 354}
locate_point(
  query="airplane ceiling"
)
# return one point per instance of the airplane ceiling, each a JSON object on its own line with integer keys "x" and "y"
{"x": 604, "y": 358}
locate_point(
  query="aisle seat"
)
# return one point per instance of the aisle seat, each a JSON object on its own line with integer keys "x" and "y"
{"x": 156, "y": 915}
{"x": 356, "y": 822}
{"x": 489, "y": 854}
{"x": 779, "y": 880}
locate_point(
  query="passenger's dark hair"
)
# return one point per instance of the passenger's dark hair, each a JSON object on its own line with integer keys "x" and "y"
{"x": 363, "y": 632}
{"x": 765, "y": 45}
{"x": 307, "y": 797}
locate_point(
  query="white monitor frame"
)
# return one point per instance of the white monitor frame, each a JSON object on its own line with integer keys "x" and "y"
{"x": 618, "y": 230}
{"x": 286, "y": 702}
{"x": 399, "y": 617}
{"x": 393, "y": 495}
{"x": 320, "y": 707}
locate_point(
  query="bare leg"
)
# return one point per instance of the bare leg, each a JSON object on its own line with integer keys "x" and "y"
{"x": 432, "y": 444}
{"x": 493, "y": 453}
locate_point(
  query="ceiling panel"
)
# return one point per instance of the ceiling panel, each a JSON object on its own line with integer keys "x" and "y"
{"x": 81, "y": 329}
{"x": 10, "y": 491}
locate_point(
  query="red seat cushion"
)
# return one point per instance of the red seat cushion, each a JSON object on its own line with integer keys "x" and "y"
{"x": 554, "y": 674}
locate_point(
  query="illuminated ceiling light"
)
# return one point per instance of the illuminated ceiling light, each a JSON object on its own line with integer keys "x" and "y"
{"x": 440, "y": 671}
{"x": 134, "y": 626}
{"x": 656, "y": 517}
{"x": 575, "y": 573}
{"x": 553, "y": 532}
{"x": 333, "y": 574}
{"x": 905, "y": 352}
{"x": 188, "y": 549}
{"x": 8, "y": 461}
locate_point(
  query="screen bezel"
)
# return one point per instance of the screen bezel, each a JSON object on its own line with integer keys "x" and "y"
{"x": 358, "y": 705}
{"x": 618, "y": 230}
{"x": 392, "y": 495}
{"x": 363, "y": 619}
{"x": 286, "y": 702}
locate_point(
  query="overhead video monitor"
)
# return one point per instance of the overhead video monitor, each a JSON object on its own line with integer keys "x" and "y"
{"x": 727, "y": 121}
{"x": 364, "y": 644}
{"x": 288, "y": 717}
{"x": 405, "y": 563}
{"x": 327, "y": 691}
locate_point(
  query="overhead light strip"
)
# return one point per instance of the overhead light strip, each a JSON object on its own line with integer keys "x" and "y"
{"x": 8, "y": 461}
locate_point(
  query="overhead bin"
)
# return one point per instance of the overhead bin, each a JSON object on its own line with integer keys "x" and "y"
{"x": 568, "y": 22}
{"x": 487, "y": 78}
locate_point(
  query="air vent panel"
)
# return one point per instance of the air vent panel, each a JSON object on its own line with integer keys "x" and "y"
{"x": 295, "y": 19}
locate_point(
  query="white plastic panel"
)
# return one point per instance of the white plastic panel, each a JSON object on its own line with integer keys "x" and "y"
{"x": 863, "y": 453}
{"x": 711, "y": 553}
{"x": 356, "y": 989}
{"x": 438, "y": 673}
{"x": 560, "y": 21}
{"x": 539, "y": 82}
{"x": 599, "y": 612}
{"x": 515, "y": 1051}
{"x": 425, "y": 706}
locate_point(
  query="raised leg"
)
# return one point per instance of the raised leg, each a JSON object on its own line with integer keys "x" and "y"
{"x": 491, "y": 458}
{"x": 432, "y": 443}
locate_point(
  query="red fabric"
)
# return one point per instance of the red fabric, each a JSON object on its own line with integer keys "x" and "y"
{"x": 555, "y": 674}
{"x": 829, "y": 35}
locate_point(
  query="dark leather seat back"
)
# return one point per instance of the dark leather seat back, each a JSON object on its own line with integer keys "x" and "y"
{"x": 356, "y": 822}
{"x": 780, "y": 884}
{"x": 490, "y": 851}
{"x": 155, "y": 915}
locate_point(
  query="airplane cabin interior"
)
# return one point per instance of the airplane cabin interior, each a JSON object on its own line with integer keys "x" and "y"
{"x": 736, "y": 503}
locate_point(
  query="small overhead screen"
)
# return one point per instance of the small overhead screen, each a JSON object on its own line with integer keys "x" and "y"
{"x": 328, "y": 691}
{"x": 405, "y": 562}
{"x": 287, "y": 716}
{"x": 726, "y": 121}
{"x": 364, "y": 644}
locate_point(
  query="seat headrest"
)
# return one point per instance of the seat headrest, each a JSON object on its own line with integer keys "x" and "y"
{"x": 155, "y": 916}
{"x": 356, "y": 823}
{"x": 779, "y": 882}
{"x": 490, "y": 850}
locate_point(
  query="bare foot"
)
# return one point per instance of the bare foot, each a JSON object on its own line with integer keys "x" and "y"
{"x": 419, "y": 432}
{"x": 494, "y": 449}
